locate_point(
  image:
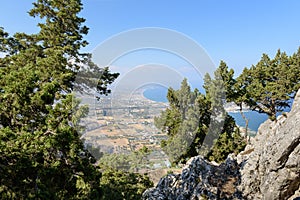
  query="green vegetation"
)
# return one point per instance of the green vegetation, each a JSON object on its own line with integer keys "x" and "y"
{"x": 187, "y": 121}
{"x": 41, "y": 154}
{"x": 229, "y": 141}
{"x": 119, "y": 185}
{"x": 270, "y": 83}
{"x": 131, "y": 162}
{"x": 120, "y": 179}
{"x": 266, "y": 87}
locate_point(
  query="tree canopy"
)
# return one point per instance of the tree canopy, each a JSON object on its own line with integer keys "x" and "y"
{"x": 266, "y": 87}
{"x": 41, "y": 153}
{"x": 119, "y": 185}
{"x": 187, "y": 121}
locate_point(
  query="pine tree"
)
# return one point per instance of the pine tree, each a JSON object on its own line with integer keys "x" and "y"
{"x": 233, "y": 90}
{"x": 293, "y": 72}
{"x": 189, "y": 118}
{"x": 219, "y": 90}
{"x": 41, "y": 153}
{"x": 268, "y": 86}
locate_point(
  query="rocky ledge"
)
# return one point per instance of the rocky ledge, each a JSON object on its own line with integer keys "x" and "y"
{"x": 268, "y": 168}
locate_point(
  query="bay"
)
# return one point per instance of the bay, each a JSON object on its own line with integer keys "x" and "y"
{"x": 159, "y": 94}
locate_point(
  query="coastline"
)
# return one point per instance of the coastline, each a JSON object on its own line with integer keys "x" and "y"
{"x": 233, "y": 108}
{"x": 255, "y": 119}
{"x": 140, "y": 92}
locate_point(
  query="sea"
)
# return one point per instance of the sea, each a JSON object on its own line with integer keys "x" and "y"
{"x": 159, "y": 94}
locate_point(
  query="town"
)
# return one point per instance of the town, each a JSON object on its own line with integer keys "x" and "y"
{"x": 126, "y": 127}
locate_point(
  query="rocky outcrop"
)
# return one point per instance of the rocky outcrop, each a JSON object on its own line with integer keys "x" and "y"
{"x": 272, "y": 169}
{"x": 199, "y": 180}
{"x": 268, "y": 169}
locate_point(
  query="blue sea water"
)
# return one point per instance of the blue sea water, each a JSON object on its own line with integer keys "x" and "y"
{"x": 255, "y": 119}
{"x": 159, "y": 94}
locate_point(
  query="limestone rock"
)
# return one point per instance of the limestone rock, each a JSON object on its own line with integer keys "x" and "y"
{"x": 199, "y": 179}
{"x": 272, "y": 169}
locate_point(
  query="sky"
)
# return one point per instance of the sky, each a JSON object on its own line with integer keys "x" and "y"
{"x": 235, "y": 31}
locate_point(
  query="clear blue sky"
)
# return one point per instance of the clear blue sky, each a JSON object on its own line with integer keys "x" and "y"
{"x": 235, "y": 31}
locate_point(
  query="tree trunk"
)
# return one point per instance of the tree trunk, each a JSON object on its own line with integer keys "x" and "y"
{"x": 246, "y": 124}
{"x": 273, "y": 110}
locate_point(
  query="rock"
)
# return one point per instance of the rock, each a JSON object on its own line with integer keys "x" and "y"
{"x": 199, "y": 179}
{"x": 272, "y": 169}
{"x": 268, "y": 168}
